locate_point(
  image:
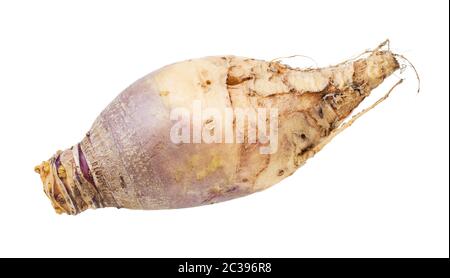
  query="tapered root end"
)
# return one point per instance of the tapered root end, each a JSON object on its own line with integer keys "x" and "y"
{"x": 379, "y": 65}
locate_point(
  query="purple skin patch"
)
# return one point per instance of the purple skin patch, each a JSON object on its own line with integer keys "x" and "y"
{"x": 58, "y": 162}
{"x": 85, "y": 168}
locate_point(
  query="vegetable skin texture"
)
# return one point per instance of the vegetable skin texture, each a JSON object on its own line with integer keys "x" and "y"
{"x": 127, "y": 159}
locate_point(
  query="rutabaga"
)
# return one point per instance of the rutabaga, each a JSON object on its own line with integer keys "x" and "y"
{"x": 151, "y": 148}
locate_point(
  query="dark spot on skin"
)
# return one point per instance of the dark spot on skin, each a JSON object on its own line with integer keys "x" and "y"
{"x": 300, "y": 135}
{"x": 280, "y": 172}
{"x": 244, "y": 180}
{"x": 320, "y": 112}
{"x": 208, "y": 82}
{"x": 234, "y": 80}
{"x": 231, "y": 189}
{"x": 304, "y": 150}
{"x": 122, "y": 182}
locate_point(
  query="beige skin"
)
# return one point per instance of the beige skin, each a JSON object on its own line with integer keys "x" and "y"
{"x": 132, "y": 162}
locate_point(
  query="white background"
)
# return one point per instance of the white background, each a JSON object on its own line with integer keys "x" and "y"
{"x": 380, "y": 189}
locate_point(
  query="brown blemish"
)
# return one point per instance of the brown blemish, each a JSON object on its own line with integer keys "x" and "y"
{"x": 280, "y": 172}
{"x": 251, "y": 93}
{"x": 320, "y": 112}
{"x": 122, "y": 182}
{"x": 213, "y": 193}
{"x": 205, "y": 85}
{"x": 301, "y": 135}
{"x": 305, "y": 150}
{"x": 231, "y": 189}
{"x": 234, "y": 80}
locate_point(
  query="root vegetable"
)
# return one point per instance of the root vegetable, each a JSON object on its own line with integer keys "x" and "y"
{"x": 128, "y": 160}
